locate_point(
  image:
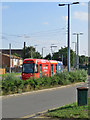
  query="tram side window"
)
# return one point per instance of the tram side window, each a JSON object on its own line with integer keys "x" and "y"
{"x": 56, "y": 68}
{"x": 52, "y": 70}
{"x": 40, "y": 70}
{"x": 36, "y": 68}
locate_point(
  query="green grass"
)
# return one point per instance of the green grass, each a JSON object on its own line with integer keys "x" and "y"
{"x": 69, "y": 111}
{"x": 89, "y": 107}
{"x": 10, "y": 73}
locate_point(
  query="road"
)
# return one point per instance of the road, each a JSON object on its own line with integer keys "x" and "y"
{"x": 23, "y": 105}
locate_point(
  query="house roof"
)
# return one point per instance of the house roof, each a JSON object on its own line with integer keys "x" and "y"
{"x": 12, "y": 56}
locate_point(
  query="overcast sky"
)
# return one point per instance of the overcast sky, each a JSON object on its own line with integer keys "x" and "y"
{"x": 43, "y": 24}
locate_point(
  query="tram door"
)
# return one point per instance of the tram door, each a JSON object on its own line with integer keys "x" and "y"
{"x": 40, "y": 70}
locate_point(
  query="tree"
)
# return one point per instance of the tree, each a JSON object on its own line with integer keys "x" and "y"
{"x": 27, "y": 53}
{"x": 48, "y": 57}
{"x": 63, "y": 51}
{"x": 81, "y": 59}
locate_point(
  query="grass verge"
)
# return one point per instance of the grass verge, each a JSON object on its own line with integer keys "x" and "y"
{"x": 10, "y": 73}
{"x": 70, "y": 111}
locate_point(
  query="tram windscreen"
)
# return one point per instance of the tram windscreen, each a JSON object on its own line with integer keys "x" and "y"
{"x": 28, "y": 68}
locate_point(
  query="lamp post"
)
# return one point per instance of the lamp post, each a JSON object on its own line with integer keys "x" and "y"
{"x": 10, "y": 57}
{"x": 77, "y": 34}
{"x": 42, "y": 51}
{"x": 35, "y": 49}
{"x": 68, "y": 53}
{"x": 51, "y": 49}
{"x": 74, "y": 60}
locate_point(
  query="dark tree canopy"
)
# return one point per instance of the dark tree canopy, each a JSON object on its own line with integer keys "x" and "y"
{"x": 27, "y": 53}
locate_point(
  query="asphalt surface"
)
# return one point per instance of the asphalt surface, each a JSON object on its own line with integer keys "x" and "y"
{"x": 28, "y": 104}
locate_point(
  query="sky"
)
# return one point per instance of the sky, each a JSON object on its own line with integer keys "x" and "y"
{"x": 42, "y": 24}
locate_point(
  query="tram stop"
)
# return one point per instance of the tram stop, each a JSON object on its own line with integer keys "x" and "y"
{"x": 82, "y": 96}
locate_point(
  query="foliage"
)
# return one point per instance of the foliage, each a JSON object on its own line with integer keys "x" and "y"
{"x": 27, "y": 53}
{"x": 63, "y": 51}
{"x": 48, "y": 57}
{"x": 78, "y": 76}
{"x": 12, "y": 84}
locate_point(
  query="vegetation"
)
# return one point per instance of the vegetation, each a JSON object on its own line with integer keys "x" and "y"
{"x": 12, "y": 84}
{"x": 63, "y": 51}
{"x": 69, "y": 111}
{"x": 27, "y": 53}
{"x": 9, "y": 73}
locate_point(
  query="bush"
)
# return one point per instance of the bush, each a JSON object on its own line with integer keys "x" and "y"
{"x": 78, "y": 76}
{"x": 12, "y": 84}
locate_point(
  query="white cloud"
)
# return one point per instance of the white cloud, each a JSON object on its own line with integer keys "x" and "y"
{"x": 83, "y": 16}
{"x": 45, "y": 23}
{"x": 65, "y": 18}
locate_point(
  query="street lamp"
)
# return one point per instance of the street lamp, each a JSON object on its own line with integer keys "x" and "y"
{"x": 42, "y": 51}
{"x": 77, "y": 34}
{"x": 35, "y": 49}
{"x": 51, "y": 49}
{"x": 68, "y": 58}
{"x": 74, "y": 60}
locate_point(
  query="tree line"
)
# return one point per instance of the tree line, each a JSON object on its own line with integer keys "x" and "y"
{"x": 61, "y": 55}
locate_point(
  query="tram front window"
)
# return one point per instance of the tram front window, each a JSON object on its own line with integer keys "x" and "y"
{"x": 28, "y": 68}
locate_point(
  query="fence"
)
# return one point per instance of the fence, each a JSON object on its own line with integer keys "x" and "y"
{"x": 2, "y": 70}
{"x": 14, "y": 70}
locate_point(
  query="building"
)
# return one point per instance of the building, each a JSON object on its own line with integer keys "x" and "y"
{"x": 13, "y": 51}
{"x": 15, "y": 61}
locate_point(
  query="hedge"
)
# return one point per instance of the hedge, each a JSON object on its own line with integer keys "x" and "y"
{"x": 11, "y": 84}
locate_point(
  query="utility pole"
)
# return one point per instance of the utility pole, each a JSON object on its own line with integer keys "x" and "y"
{"x": 24, "y": 50}
{"x": 62, "y": 58}
{"x": 36, "y": 50}
{"x": 42, "y": 51}
{"x": 31, "y": 51}
{"x": 68, "y": 54}
{"x": 9, "y": 57}
{"x": 77, "y": 34}
{"x": 68, "y": 51}
{"x": 51, "y": 49}
{"x": 74, "y": 56}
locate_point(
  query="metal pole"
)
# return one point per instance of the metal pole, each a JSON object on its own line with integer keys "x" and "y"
{"x": 42, "y": 52}
{"x": 77, "y": 51}
{"x": 51, "y": 52}
{"x": 62, "y": 58}
{"x": 24, "y": 49}
{"x": 73, "y": 60}
{"x": 10, "y": 58}
{"x": 68, "y": 58}
{"x": 75, "y": 54}
{"x": 31, "y": 52}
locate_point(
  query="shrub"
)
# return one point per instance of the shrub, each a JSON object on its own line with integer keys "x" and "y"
{"x": 12, "y": 84}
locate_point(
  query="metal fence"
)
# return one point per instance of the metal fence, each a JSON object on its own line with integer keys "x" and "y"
{"x": 14, "y": 69}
